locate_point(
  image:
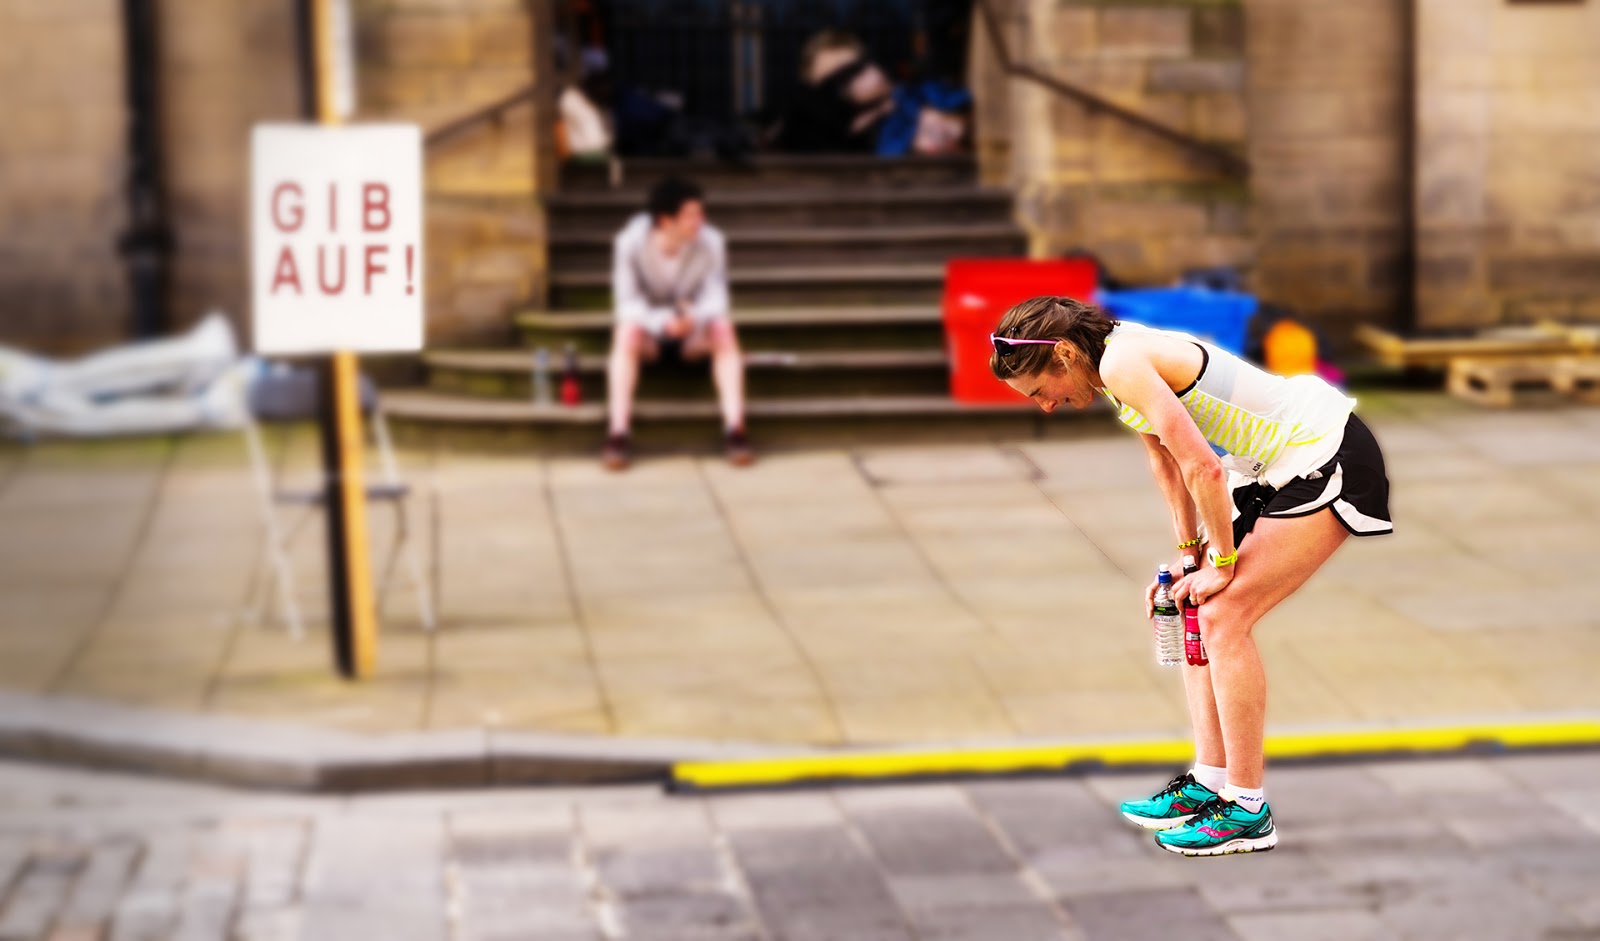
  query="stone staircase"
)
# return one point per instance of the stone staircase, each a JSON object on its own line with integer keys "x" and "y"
{"x": 836, "y": 267}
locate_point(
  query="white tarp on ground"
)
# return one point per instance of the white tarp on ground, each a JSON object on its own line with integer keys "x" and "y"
{"x": 194, "y": 381}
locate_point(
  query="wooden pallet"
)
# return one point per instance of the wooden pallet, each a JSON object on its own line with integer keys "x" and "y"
{"x": 1504, "y": 382}
{"x": 1536, "y": 340}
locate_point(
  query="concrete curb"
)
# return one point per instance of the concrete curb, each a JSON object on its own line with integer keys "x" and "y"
{"x": 283, "y": 757}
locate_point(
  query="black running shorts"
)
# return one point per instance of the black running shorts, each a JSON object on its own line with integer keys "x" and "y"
{"x": 1354, "y": 485}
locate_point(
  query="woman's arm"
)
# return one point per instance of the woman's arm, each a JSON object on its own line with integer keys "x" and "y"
{"x": 1129, "y": 374}
{"x": 1170, "y": 479}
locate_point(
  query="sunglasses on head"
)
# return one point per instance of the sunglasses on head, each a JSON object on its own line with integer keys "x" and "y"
{"x": 1005, "y": 346}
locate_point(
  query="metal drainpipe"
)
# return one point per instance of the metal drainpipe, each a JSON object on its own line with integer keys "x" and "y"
{"x": 146, "y": 245}
{"x": 305, "y": 59}
{"x": 1407, "y": 262}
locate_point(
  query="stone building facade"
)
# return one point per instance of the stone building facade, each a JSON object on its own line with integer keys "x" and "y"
{"x": 431, "y": 62}
{"x": 1508, "y": 161}
{"x": 1089, "y": 180}
{"x": 1411, "y": 162}
{"x": 61, "y": 167}
{"x": 223, "y": 66}
{"x": 1417, "y": 163}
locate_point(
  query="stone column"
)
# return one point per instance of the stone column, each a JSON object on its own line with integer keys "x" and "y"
{"x": 1328, "y": 124}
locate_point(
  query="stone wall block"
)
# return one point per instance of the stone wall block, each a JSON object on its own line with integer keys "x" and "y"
{"x": 1219, "y": 31}
{"x": 1074, "y": 31}
{"x": 1451, "y": 71}
{"x": 1126, "y": 259}
{"x": 1209, "y": 251}
{"x": 1569, "y": 271}
{"x": 1124, "y": 154}
{"x": 1537, "y": 31}
{"x": 1138, "y": 31}
{"x": 423, "y": 40}
{"x": 1463, "y": 113}
{"x": 1110, "y": 78}
{"x": 500, "y": 264}
{"x": 1447, "y": 271}
{"x": 1197, "y": 75}
{"x": 1219, "y": 117}
{"x": 1358, "y": 199}
{"x": 1332, "y": 113}
{"x": 503, "y": 39}
{"x": 1229, "y": 218}
{"x": 1121, "y": 218}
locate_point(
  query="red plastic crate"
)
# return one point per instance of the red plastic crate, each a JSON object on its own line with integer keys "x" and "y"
{"x": 977, "y": 293}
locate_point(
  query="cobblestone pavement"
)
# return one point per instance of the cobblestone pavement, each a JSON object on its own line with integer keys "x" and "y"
{"x": 1502, "y": 848}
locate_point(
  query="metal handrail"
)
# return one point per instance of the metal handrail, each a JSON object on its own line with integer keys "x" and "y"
{"x": 1226, "y": 159}
{"x": 492, "y": 112}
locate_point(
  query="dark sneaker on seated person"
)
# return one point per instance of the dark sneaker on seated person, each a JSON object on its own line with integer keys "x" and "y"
{"x": 738, "y": 449}
{"x": 617, "y": 453}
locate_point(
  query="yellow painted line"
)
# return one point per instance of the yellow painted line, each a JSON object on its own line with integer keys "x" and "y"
{"x": 758, "y": 772}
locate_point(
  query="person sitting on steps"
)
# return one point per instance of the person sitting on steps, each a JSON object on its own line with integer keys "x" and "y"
{"x": 669, "y": 288}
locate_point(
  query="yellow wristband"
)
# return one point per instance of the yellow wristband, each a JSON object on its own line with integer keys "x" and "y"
{"x": 1190, "y": 544}
{"x": 1222, "y": 561}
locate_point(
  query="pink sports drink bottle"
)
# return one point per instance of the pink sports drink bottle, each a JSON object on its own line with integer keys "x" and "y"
{"x": 1194, "y": 650}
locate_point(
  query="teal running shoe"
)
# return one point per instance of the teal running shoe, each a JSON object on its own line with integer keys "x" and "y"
{"x": 1172, "y": 806}
{"x": 1220, "y": 827}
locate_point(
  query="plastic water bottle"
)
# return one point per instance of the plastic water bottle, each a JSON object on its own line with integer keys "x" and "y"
{"x": 1194, "y": 650}
{"x": 543, "y": 393}
{"x": 1168, "y": 622}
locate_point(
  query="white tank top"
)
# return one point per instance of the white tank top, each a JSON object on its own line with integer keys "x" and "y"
{"x": 1262, "y": 426}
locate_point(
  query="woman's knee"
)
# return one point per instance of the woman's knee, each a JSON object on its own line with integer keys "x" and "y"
{"x": 1223, "y": 620}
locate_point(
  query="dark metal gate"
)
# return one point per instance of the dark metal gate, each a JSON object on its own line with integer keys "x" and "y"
{"x": 734, "y": 59}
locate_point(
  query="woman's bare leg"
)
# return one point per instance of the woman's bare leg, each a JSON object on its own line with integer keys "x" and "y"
{"x": 1277, "y": 558}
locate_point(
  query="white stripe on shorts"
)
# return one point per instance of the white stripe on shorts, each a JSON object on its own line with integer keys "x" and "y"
{"x": 1358, "y": 522}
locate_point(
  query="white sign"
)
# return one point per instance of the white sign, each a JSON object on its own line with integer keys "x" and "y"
{"x": 336, "y": 238}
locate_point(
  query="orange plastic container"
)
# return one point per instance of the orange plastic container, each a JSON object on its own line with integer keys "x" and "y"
{"x": 1290, "y": 348}
{"x": 977, "y": 293}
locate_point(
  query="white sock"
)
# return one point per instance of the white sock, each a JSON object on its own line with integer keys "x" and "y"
{"x": 1210, "y": 776}
{"x": 1250, "y": 798}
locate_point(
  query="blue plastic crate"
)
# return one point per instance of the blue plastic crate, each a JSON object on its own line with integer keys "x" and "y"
{"x": 1220, "y": 317}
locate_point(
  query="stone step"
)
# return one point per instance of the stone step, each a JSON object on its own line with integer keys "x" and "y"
{"x": 772, "y": 285}
{"x": 639, "y": 173}
{"x": 508, "y": 374}
{"x": 765, "y": 246}
{"x": 798, "y": 329}
{"x": 431, "y": 418}
{"x": 843, "y": 205}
